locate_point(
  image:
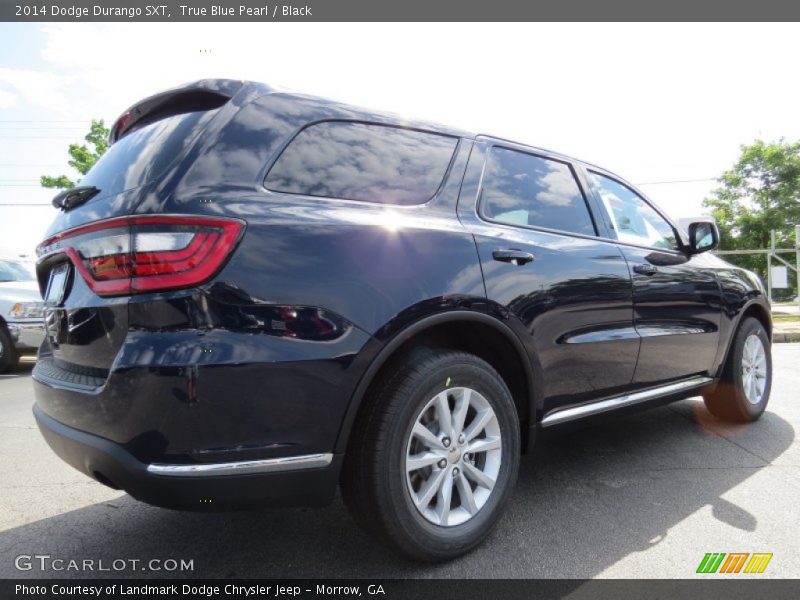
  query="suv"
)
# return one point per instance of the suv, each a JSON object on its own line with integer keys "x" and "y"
{"x": 21, "y": 328}
{"x": 257, "y": 295}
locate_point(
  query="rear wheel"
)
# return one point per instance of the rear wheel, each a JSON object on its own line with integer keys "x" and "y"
{"x": 743, "y": 391}
{"x": 8, "y": 354}
{"x": 434, "y": 457}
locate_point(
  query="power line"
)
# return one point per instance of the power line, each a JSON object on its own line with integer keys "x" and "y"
{"x": 677, "y": 181}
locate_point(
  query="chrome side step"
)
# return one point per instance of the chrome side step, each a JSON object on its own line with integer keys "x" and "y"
{"x": 594, "y": 408}
{"x": 247, "y": 467}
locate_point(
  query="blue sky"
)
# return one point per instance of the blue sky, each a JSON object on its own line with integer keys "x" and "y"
{"x": 653, "y": 102}
{"x": 22, "y": 160}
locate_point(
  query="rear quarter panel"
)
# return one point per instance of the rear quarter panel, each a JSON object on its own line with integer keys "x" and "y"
{"x": 370, "y": 268}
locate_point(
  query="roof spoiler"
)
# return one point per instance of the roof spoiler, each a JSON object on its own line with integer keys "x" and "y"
{"x": 207, "y": 94}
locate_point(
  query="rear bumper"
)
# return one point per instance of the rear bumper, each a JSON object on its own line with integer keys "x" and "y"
{"x": 308, "y": 480}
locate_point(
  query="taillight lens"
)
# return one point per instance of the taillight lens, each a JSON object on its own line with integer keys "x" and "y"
{"x": 127, "y": 255}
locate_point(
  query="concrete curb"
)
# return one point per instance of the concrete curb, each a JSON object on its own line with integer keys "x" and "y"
{"x": 788, "y": 337}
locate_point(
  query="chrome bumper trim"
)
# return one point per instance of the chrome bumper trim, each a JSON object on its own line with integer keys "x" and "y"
{"x": 269, "y": 465}
{"x": 593, "y": 408}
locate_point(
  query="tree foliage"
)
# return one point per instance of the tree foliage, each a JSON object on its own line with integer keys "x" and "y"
{"x": 82, "y": 156}
{"x": 760, "y": 193}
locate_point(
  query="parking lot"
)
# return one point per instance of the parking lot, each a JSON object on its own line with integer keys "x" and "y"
{"x": 645, "y": 495}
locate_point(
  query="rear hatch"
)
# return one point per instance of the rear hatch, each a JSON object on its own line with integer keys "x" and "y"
{"x": 85, "y": 267}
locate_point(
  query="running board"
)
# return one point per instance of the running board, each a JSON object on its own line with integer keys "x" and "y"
{"x": 594, "y": 408}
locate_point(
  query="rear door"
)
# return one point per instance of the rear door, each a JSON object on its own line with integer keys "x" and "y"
{"x": 676, "y": 298}
{"x": 566, "y": 292}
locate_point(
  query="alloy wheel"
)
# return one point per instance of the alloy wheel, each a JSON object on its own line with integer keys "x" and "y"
{"x": 453, "y": 456}
{"x": 754, "y": 369}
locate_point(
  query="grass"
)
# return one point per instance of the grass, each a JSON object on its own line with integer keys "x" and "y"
{"x": 786, "y": 318}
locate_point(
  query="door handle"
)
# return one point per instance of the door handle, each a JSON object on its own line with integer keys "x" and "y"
{"x": 645, "y": 269}
{"x": 515, "y": 257}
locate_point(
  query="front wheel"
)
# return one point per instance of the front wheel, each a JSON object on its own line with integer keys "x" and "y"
{"x": 743, "y": 391}
{"x": 434, "y": 458}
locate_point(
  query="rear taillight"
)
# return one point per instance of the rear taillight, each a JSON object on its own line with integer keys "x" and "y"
{"x": 127, "y": 255}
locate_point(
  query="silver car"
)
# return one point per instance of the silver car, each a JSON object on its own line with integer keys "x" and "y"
{"x": 21, "y": 323}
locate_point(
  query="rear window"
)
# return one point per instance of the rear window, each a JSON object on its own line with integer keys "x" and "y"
{"x": 142, "y": 155}
{"x": 358, "y": 161}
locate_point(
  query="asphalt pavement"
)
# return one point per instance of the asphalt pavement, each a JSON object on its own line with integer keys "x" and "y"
{"x": 644, "y": 495}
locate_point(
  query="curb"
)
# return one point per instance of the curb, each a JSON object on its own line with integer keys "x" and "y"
{"x": 786, "y": 337}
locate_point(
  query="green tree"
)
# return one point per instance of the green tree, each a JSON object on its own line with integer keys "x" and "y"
{"x": 82, "y": 156}
{"x": 760, "y": 193}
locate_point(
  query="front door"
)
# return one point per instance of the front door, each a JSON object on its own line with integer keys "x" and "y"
{"x": 677, "y": 301}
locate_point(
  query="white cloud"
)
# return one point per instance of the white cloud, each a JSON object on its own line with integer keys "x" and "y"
{"x": 43, "y": 89}
{"x": 7, "y": 99}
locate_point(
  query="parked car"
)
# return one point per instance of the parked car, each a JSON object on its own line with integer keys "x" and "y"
{"x": 257, "y": 295}
{"x": 21, "y": 325}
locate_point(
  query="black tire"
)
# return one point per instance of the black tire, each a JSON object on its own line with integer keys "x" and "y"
{"x": 8, "y": 354}
{"x": 374, "y": 482}
{"x": 729, "y": 400}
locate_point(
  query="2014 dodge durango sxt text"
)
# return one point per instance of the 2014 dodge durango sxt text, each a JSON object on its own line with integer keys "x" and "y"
{"x": 256, "y": 296}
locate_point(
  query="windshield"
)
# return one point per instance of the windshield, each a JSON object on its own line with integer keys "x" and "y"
{"x": 14, "y": 271}
{"x": 142, "y": 155}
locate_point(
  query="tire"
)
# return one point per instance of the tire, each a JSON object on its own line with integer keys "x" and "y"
{"x": 8, "y": 353}
{"x": 743, "y": 390}
{"x": 378, "y": 490}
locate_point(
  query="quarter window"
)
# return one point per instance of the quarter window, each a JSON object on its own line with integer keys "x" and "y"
{"x": 523, "y": 189}
{"x": 358, "y": 161}
{"x": 634, "y": 220}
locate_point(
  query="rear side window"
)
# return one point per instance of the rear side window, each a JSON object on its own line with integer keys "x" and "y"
{"x": 142, "y": 155}
{"x": 528, "y": 190}
{"x": 358, "y": 161}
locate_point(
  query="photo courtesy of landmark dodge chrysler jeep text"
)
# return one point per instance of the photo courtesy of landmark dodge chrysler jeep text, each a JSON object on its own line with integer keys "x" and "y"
{"x": 255, "y": 296}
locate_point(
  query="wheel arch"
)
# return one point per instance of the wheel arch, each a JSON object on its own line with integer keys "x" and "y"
{"x": 759, "y": 311}
{"x": 755, "y": 309}
{"x": 471, "y": 331}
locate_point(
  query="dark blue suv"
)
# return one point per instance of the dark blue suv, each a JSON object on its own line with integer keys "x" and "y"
{"x": 256, "y": 296}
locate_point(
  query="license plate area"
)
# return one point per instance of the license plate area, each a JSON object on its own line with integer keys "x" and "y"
{"x": 57, "y": 285}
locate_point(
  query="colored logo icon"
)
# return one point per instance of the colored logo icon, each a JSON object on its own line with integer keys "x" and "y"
{"x": 734, "y": 562}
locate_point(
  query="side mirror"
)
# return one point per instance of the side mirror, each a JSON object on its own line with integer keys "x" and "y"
{"x": 703, "y": 236}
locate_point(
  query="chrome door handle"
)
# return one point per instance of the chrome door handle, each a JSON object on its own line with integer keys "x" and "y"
{"x": 513, "y": 256}
{"x": 645, "y": 269}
